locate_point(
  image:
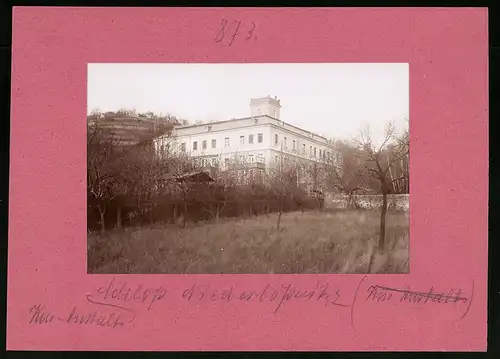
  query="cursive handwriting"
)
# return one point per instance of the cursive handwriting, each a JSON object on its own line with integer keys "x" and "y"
{"x": 126, "y": 294}
{"x": 278, "y": 295}
{"x": 230, "y": 30}
{"x": 109, "y": 305}
{"x": 40, "y": 315}
{"x": 381, "y": 294}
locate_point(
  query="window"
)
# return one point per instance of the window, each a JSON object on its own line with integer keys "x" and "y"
{"x": 204, "y": 145}
{"x": 260, "y": 158}
{"x": 250, "y": 158}
{"x": 293, "y": 145}
{"x": 214, "y": 161}
{"x": 226, "y": 161}
{"x": 242, "y": 158}
{"x": 214, "y": 143}
{"x": 315, "y": 151}
{"x": 304, "y": 148}
{"x": 250, "y": 139}
{"x": 195, "y": 146}
{"x": 259, "y": 137}
{"x": 276, "y": 139}
{"x": 183, "y": 146}
{"x": 242, "y": 140}
{"x": 276, "y": 158}
{"x": 274, "y": 113}
{"x": 226, "y": 142}
{"x": 284, "y": 142}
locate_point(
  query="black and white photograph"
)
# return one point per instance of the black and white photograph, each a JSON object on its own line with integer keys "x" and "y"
{"x": 279, "y": 168}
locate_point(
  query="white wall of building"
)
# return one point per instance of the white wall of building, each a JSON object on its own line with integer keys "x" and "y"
{"x": 295, "y": 143}
{"x": 239, "y": 141}
{"x": 251, "y": 139}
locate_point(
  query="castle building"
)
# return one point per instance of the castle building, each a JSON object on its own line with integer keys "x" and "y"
{"x": 256, "y": 142}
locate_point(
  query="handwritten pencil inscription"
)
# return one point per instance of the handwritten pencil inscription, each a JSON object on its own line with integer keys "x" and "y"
{"x": 41, "y": 315}
{"x": 278, "y": 295}
{"x": 381, "y": 294}
{"x": 114, "y": 305}
{"x": 122, "y": 293}
{"x": 230, "y": 30}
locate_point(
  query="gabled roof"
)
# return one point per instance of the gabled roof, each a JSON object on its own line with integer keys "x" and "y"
{"x": 194, "y": 176}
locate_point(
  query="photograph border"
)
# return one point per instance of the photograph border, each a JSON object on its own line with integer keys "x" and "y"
{"x": 446, "y": 48}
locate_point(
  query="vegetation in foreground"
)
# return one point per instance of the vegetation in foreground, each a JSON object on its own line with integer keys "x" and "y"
{"x": 310, "y": 242}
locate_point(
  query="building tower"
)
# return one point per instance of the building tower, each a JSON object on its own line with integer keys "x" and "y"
{"x": 265, "y": 106}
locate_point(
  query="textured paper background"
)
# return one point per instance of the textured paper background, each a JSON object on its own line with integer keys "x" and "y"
{"x": 447, "y": 53}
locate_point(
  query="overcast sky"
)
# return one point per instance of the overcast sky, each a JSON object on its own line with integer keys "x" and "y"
{"x": 334, "y": 100}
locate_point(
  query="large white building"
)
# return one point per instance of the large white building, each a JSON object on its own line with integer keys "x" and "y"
{"x": 257, "y": 141}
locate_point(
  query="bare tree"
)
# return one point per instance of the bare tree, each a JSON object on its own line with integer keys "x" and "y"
{"x": 282, "y": 179}
{"x": 182, "y": 167}
{"x": 102, "y": 152}
{"x": 343, "y": 170}
{"x": 378, "y": 159}
{"x": 216, "y": 194}
{"x": 399, "y": 171}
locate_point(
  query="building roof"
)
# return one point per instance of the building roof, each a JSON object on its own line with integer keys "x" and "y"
{"x": 194, "y": 176}
{"x": 267, "y": 99}
{"x": 282, "y": 123}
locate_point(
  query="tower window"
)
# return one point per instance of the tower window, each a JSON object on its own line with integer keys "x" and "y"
{"x": 204, "y": 145}
{"x": 242, "y": 140}
{"x": 214, "y": 143}
{"x": 259, "y": 137}
{"x": 276, "y": 139}
{"x": 195, "y": 145}
{"x": 250, "y": 139}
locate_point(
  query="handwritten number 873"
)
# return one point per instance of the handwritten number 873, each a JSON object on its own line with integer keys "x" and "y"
{"x": 231, "y": 32}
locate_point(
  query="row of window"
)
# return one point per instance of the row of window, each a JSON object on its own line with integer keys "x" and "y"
{"x": 207, "y": 161}
{"x": 251, "y": 158}
{"x": 213, "y": 160}
{"x": 204, "y": 143}
{"x": 312, "y": 150}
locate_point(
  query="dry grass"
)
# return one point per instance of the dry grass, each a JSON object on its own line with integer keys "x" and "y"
{"x": 310, "y": 242}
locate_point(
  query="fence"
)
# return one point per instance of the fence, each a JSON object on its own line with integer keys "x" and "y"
{"x": 174, "y": 211}
{"x": 398, "y": 202}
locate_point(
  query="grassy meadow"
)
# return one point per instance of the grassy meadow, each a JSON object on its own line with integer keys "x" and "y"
{"x": 339, "y": 241}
